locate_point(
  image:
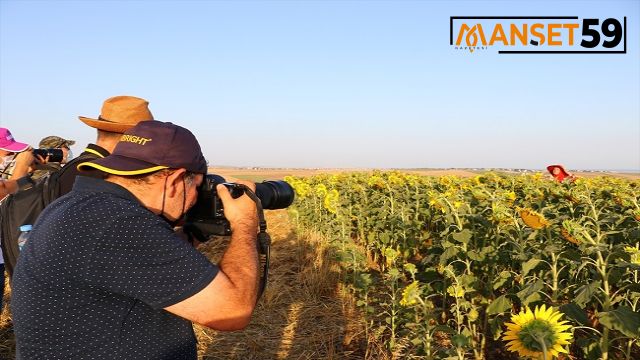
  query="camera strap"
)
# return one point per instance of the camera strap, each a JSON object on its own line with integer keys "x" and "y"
{"x": 264, "y": 241}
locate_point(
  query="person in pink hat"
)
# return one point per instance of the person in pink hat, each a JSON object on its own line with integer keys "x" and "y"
{"x": 14, "y": 157}
{"x": 14, "y": 164}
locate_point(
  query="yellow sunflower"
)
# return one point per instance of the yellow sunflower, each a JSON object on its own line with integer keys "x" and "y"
{"x": 537, "y": 334}
{"x": 331, "y": 201}
{"x": 533, "y": 219}
{"x": 321, "y": 190}
{"x": 410, "y": 294}
{"x": 567, "y": 236}
{"x": 456, "y": 291}
{"x": 635, "y": 254}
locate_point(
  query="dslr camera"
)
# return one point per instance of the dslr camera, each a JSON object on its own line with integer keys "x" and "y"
{"x": 55, "y": 155}
{"x": 206, "y": 217}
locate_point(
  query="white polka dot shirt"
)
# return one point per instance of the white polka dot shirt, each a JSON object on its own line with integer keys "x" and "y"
{"x": 95, "y": 275}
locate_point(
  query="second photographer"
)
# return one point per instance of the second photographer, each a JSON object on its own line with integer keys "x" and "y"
{"x": 56, "y": 152}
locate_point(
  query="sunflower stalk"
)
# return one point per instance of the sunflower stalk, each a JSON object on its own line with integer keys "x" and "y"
{"x": 554, "y": 274}
{"x": 606, "y": 306}
{"x": 554, "y": 270}
{"x": 394, "y": 307}
{"x": 627, "y": 352}
{"x": 543, "y": 345}
{"x": 427, "y": 327}
{"x": 454, "y": 211}
{"x": 602, "y": 269}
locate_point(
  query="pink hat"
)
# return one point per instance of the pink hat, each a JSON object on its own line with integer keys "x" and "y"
{"x": 8, "y": 144}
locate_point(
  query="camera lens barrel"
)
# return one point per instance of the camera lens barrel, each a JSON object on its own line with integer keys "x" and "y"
{"x": 275, "y": 194}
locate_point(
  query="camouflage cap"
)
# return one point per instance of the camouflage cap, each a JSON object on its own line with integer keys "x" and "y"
{"x": 53, "y": 142}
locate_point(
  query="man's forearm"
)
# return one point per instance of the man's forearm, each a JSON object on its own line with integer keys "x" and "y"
{"x": 241, "y": 264}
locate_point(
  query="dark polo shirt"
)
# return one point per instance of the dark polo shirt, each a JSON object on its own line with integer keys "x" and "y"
{"x": 95, "y": 275}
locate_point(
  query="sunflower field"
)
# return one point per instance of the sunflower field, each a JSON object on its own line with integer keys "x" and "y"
{"x": 489, "y": 267}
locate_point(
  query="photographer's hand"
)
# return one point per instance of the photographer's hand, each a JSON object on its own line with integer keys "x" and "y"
{"x": 240, "y": 212}
{"x": 228, "y": 301}
{"x": 24, "y": 160}
{"x": 42, "y": 159}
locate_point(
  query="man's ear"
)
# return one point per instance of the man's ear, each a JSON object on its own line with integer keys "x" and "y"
{"x": 175, "y": 182}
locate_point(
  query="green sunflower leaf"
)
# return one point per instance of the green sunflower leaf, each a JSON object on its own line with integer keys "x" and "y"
{"x": 530, "y": 293}
{"x": 500, "y": 304}
{"x": 529, "y": 265}
{"x": 575, "y": 313}
{"x": 585, "y": 293}
{"x": 460, "y": 341}
{"x": 463, "y": 236}
{"x": 622, "y": 319}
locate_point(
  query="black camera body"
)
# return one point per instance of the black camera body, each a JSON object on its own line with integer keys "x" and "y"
{"x": 206, "y": 217}
{"x": 55, "y": 155}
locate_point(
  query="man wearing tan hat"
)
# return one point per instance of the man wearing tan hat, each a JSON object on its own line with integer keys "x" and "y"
{"x": 118, "y": 114}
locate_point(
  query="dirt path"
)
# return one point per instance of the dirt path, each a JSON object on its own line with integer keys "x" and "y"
{"x": 301, "y": 315}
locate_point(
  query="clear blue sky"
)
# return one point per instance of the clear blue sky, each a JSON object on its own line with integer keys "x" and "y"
{"x": 324, "y": 83}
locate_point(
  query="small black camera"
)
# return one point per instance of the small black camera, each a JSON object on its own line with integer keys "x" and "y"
{"x": 55, "y": 155}
{"x": 206, "y": 217}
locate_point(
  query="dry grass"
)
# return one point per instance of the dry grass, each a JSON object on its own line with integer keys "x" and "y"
{"x": 303, "y": 313}
{"x": 7, "y": 340}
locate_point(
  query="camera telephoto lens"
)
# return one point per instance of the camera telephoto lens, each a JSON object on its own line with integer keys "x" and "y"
{"x": 275, "y": 194}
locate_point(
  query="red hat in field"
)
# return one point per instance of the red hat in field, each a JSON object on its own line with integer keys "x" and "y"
{"x": 558, "y": 172}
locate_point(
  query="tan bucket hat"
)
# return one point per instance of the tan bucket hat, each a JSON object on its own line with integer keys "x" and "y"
{"x": 120, "y": 113}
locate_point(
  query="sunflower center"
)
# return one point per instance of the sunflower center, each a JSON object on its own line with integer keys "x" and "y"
{"x": 535, "y": 333}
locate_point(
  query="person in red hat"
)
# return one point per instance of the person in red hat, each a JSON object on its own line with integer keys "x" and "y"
{"x": 559, "y": 173}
